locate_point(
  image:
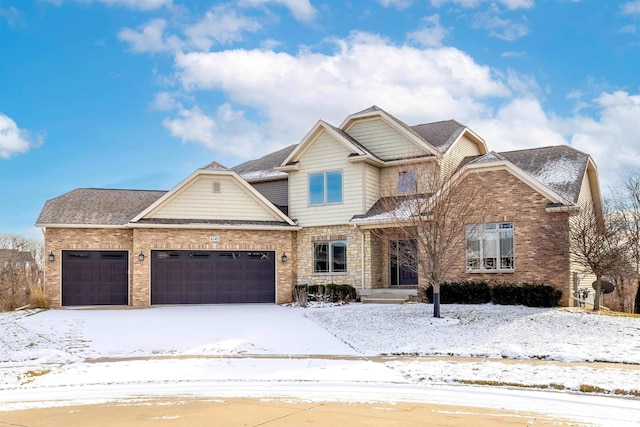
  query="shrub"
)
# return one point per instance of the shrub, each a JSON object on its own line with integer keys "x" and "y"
{"x": 37, "y": 297}
{"x": 344, "y": 293}
{"x": 301, "y": 295}
{"x": 462, "y": 293}
{"x": 531, "y": 295}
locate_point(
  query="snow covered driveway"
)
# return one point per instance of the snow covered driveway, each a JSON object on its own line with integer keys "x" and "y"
{"x": 59, "y": 357}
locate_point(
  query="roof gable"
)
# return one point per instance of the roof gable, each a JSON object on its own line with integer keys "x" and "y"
{"x": 355, "y": 148}
{"x": 407, "y": 132}
{"x": 212, "y": 194}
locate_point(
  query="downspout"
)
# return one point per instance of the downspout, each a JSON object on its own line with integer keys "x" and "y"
{"x": 362, "y": 257}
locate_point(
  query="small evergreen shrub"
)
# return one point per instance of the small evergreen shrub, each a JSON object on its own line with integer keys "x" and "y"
{"x": 468, "y": 292}
{"x": 530, "y": 295}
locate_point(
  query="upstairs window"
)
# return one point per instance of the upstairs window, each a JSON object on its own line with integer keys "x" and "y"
{"x": 325, "y": 188}
{"x": 330, "y": 257}
{"x": 490, "y": 247}
{"x": 407, "y": 182}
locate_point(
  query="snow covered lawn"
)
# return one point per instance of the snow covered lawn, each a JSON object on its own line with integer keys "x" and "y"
{"x": 338, "y": 352}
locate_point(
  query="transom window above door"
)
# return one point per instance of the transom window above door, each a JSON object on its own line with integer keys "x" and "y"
{"x": 325, "y": 188}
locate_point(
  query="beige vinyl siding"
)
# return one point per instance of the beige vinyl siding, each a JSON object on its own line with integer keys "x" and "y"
{"x": 198, "y": 201}
{"x": 585, "y": 198}
{"x": 462, "y": 148}
{"x": 586, "y": 277}
{"x": 383, "y": 140}
{"x": 371, "y": 186}
{"x": 325, "y": 154}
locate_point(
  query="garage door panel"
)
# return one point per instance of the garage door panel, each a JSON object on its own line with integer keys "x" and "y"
{"x": 212, "y": 277}
{"x": 95, "y": 278}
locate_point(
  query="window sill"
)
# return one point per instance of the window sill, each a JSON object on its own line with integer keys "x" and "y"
{"x": 341, "y": 273}
{"x": 490, "y": 271}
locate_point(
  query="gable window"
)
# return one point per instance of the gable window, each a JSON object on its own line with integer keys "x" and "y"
{"x": 330, "y": 257}
{"x": 490, "y": 247}
{"x": 325, "y": 188}
{"x": 407, "y": 182}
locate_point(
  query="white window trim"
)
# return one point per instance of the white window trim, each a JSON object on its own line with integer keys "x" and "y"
{"x": 324, "y": 184}
{"x": 496, "y": 231}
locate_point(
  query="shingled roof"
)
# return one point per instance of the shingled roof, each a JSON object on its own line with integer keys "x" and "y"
{"x": 440, "y": 134}
{"x": 96, "y": 206}
{"x": 263, "y": 169}
{"x": 561, "y": 167}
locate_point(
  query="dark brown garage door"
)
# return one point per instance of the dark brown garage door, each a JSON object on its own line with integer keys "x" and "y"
{"x": 95, "y": 278}
{"x": 212, "y": 277}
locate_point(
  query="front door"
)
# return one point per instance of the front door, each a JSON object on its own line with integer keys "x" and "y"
{"x": 403, "y": 262}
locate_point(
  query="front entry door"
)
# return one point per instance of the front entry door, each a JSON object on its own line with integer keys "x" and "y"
{"x": 404, "y": 265}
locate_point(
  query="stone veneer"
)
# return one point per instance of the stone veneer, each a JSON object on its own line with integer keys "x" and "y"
{"x": 356, "y": 241}
{"x": 146, "y": 239}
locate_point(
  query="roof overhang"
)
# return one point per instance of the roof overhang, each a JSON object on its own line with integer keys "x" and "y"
{"x": 44, "y": 225}
{"x": 204, "y": 226}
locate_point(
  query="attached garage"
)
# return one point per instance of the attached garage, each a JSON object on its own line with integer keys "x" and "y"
{"x": 95, "y": 278}
{"x": 212, "y": 277}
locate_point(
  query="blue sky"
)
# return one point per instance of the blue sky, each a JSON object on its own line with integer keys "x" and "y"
{"x": 139, "y": 93}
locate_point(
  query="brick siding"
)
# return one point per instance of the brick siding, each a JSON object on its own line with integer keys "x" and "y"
{"x": 145, "y": 240}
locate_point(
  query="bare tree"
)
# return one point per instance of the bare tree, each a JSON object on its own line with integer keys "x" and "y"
{"x": 597, "y": 243}
{"x": 428, "y": 212}
{"x": 626, "y": 202}
{"x": 21, "y": 266}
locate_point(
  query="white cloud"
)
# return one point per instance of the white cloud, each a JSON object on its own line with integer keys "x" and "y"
{"x": 302, "y": 10}
{"x": 521, "y": 123}
{"x": 228, "y": 132}
{"x": 165, "y": 101}
{"x": 14, "y": 140}
{"x": 509, "y": 4}
{"x": 398, "y": 4}
{"x": 138, "y": 4}
{"x": 431, "y": 33}
{"x": 631, "y": 8}
{"x": 13, "y": 16}
{"x": 500, "y": 28}
{"x": 221, "y": 25}
{"x": 611, "y": 136}
{"x": 149, "y": 38}
{"x": 128, "y": 4}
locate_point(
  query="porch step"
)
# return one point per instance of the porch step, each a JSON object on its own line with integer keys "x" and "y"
{"x": 382, "y": 300}
{"x": 387, "y": 296}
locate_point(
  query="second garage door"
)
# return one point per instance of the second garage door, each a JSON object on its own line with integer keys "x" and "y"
{"x": 212, "y": 277}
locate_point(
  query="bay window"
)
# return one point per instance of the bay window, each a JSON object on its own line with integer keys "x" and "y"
{"x": 490, "y": 247}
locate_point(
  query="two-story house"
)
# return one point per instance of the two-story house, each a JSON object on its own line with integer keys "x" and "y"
{"x": 307, "y": 214}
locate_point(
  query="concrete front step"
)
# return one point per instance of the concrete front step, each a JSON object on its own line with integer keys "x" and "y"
{"x": 382, "y": 300}
{"x": 387, "y": 295}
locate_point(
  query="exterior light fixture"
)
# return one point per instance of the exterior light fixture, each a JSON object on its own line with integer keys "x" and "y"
{"x": 52, "y": 257}
{"x": 140, "y": 256}
{"x": 284, "y": 257}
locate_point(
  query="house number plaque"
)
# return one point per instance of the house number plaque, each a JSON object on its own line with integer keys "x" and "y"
{"x": 214, "y": 239}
